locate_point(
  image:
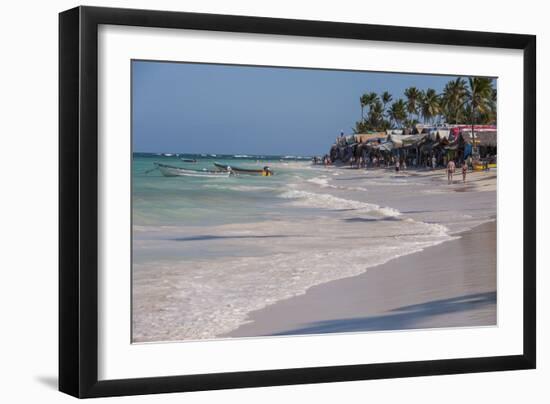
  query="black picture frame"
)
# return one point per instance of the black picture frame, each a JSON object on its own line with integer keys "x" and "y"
{"x": 78, "y": 201}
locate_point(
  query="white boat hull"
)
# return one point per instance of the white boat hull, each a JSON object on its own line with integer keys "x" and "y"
{"x": 182, "y": 172}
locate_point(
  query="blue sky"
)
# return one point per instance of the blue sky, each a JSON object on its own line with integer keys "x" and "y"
{"x": 228, "y": 109}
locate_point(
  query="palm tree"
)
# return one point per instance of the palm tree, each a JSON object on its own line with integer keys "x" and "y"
{"x": 410, "y": 123}
{"x": 398, "y": 112}
{"x": 414, "y": 96}
{"x": 372, "y": 99}
{"x": 363, "y": 100}
{"x": 480, "y": 96}
{"x": 453, "y": 100}
{"x": 376, "y": 115}
{"x": 492, "y": 118}
{"x": 367, "y": 100}
{"x": 430, "y": 105}
{"x": 360, "y": 127}
{"x": 385, "y": 125}
{"x": 386, "y": 99}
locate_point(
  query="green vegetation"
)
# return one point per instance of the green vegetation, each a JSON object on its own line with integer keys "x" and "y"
{"x": 471, "y": 101}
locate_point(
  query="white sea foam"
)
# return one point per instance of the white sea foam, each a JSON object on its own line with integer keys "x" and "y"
{"x": 200, "y": 299}
{"x": 241, "y": 188}
{"x": 321, "y": 181}
{"x": 355, "y": 188}
{"x": 327, "y": 201}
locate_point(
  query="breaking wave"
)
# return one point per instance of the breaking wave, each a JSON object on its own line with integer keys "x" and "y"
{"x": 327, "y": 201}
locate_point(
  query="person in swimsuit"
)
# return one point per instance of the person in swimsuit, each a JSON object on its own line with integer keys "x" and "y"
{"x": 450, "y": 171}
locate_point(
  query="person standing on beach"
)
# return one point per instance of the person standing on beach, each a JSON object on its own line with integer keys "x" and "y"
{"x": 450, "y": 171}
{"x": 464, "y": 171}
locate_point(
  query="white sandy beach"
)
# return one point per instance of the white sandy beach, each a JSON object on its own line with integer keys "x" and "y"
{"x": 340, "y": 250}
{"x": 421, "y": 290}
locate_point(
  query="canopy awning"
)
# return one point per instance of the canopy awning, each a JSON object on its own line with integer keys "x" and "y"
{"x": 485, "y": 138}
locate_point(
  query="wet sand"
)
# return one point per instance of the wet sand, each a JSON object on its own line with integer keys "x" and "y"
{"x": 422, "y": 290}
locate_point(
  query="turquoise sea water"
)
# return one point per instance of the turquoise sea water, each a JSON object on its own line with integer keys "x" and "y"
{"x": 178, "y": 201}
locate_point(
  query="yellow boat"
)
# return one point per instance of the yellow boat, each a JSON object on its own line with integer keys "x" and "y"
{"x": 480, "y": 166}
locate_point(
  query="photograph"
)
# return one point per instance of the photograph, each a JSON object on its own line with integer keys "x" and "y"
{"x": 272, "y": 201}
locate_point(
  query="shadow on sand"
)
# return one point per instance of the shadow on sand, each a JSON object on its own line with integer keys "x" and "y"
{"x": 210, "y": 237}
{"x": 405, "y": 317}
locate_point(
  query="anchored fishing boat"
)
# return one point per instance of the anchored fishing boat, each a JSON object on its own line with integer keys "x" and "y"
{"x": 265, "y": 172}
{"x": 173, "y": 171}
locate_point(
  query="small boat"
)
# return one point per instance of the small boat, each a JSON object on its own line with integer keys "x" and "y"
{"x": 188, "y": 160}
{"x": 482, "y": 166}
{"x": 265, "y": 172}
{"x": 173, "y": 171}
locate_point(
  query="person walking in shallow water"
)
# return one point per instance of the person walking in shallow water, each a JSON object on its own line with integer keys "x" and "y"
{"x": 450, "y": 171}
{"x": 464, "y": 171}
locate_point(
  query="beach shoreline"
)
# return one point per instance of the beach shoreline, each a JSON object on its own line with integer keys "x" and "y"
{"x": 236, "y": 246}
{"x": 417, "y": 291}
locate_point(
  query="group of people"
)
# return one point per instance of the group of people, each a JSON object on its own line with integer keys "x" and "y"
{"x": 451, "y": 169}
{"x": 325, "y": 160}
{"x": 400, "y": 164}
{"x": 376, "y": 161}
